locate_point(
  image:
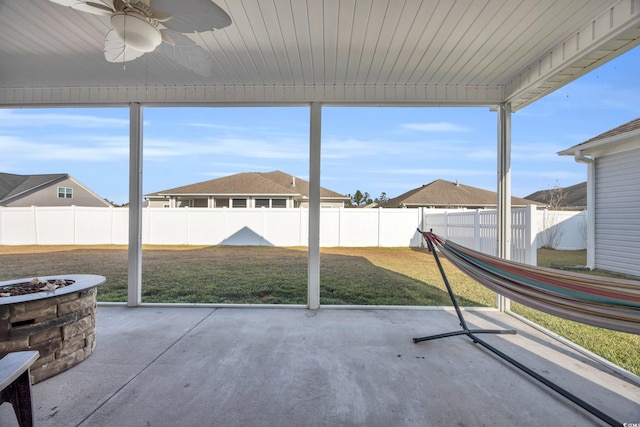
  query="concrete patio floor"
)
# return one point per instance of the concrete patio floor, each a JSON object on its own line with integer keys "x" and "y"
{"x": 295, "y": 367}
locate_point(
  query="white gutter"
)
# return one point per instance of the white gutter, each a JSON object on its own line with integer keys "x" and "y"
{"x": 580, "y": 157}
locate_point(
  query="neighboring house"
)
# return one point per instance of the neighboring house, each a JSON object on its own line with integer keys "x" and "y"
{"x": 246, "y": 190}
{"x": 46, "y": 190}
{"x": 572, "y": 198}
{"x": 450, "y": 195}
{"x": 613, "y": 197}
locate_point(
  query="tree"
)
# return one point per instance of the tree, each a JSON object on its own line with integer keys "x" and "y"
{"x": 552, "y": 232}
{"x": 383, "y": 198}
{"x": 555, "y": 197}
{"x": 359, "y": 198}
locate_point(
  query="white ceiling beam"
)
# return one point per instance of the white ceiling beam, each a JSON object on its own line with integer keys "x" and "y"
{"x": 372, "y": 94}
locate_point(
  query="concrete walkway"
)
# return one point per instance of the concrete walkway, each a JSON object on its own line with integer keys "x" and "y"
{"x": 294, "y": 367}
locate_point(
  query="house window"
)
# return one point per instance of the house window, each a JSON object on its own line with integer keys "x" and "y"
{"x": 262, "y": 203}
{"x": 239, "y": 203}
{"x": 279, "y": 203}
{"x": 221, "y": 203}
{"x": 65, "y": 193}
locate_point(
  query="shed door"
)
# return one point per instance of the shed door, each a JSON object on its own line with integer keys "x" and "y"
{"x": 617, "y": 216}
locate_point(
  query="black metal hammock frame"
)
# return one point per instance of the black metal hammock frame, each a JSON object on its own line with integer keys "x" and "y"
{"x": 473, "y": 335}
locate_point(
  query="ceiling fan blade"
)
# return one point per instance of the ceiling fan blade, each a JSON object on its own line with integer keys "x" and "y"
{"x": 190, "y": 16}
{"x": 98, "y": 7}
{"x": 167, "y": 38}
{"x": 161, "y": 16}
{"x": 186, "y": 53}
{"x": 116, "y": 51}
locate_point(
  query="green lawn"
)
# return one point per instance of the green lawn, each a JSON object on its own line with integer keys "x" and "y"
{"x": 620, "y": 348}
{"x": 256, "y": 275}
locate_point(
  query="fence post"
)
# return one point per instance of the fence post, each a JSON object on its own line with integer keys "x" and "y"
{"x": 445, "y": 225}
{"x": 188, "y": 227}
{"x": 340, "y": 227}
{"x": 531, "y": 227}
{"x": 379, "y": 225}
{"x": 476, "y": 230}
{"x": 301, "y": 228}
{"x": 75, "y": 224}
{"x": 111, "y": 227}
{"x": 35, "y": 224}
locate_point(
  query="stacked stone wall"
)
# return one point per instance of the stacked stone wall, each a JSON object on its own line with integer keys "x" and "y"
{"x": 62, "y": 329}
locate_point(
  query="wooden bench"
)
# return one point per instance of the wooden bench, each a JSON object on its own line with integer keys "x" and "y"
{"x": 15, "y": 384}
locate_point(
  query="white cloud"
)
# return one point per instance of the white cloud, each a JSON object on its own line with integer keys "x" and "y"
{"x": 536, "y": 152}
{"x": 158, "y": 149}
{"x": 555, "y": 174}
{"x": 438, "y": 171}
{"x": 482, "y": 154}
{"x": 217, "y": 126}
{"x": 99, "y": 150}
{"x": 19, "y": 118}
{"x": 434, "y": 127}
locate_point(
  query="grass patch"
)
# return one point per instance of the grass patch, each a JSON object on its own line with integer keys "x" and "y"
{"x": 547, "y": 257}
{"x": 254, "y": 275}
{"x": 618, "y": 347}
{"x": 259, "y": 275}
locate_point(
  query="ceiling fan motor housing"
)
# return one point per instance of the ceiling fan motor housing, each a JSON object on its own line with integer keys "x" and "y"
{"x": 136, "y": 32}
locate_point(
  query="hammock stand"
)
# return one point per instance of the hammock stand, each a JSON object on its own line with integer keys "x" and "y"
{"x": 472, "y": 334}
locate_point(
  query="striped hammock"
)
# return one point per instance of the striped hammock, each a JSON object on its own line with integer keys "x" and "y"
{"x": 604, "y": 302}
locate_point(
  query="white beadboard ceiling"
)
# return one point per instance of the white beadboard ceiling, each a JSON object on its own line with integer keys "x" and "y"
{"x": 431, "y": 52}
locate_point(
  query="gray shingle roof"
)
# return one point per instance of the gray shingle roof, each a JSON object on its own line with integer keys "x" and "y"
{"x": 632, "y": 126}
{"x": 262, "y": 183}
{"x": 574, "y": 196}
{"x": 441, "y": 193}
{"x": 11, "y": 184}
{"x": 627, "y": 127}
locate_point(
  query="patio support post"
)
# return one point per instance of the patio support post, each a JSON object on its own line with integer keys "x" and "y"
{"x": 134, "y": 293}
{"x": 313, "y": 280}
{"x": 504, "y": 190}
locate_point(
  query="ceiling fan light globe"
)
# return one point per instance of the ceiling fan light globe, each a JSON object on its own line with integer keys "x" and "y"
{"x": 136, "y": 32}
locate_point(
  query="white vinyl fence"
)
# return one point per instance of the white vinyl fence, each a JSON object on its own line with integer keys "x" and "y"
{"x": 563, "y": 230}
{"x": 76, "y": 225}
{"x": 289, "y": 227}
{"x": 478, "y": 230}
{"x": 530, "y": 229}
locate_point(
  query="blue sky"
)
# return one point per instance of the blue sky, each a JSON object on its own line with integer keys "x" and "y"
{"x": 371, "y": 149}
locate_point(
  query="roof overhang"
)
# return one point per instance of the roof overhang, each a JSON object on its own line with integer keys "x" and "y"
{"x": 387, "y": 52}
{"x": 614, "y": 144}
{"x": 176, "y": 194}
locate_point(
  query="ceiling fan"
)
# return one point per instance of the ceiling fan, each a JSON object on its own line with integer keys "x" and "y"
{"x": 141, "y": 26}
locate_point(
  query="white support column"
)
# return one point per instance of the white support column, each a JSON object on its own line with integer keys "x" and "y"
{"x": 134, "y": 294}
{"x": 504, "y": 189}
{"x": 313, "y": 280}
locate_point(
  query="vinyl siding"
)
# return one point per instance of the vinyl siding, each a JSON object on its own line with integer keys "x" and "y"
{"x": 48, "y": 196}
{"x": 617, "y": 212}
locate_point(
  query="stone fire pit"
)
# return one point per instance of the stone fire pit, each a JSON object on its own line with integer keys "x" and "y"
{"x": 60, "y": 323}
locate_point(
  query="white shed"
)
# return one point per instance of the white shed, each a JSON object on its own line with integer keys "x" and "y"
{"x": 613, "y": 197}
